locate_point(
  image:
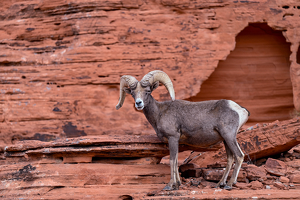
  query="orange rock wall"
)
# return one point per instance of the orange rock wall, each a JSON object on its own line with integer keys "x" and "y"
{"x": 256, "y": 74}
{"x": 61, "y": 60}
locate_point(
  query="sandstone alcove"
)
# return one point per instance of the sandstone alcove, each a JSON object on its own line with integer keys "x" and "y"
{"x": 256, "y": 74}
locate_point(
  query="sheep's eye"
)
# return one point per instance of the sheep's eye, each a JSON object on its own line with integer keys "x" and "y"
{"x": 148, "y": 91}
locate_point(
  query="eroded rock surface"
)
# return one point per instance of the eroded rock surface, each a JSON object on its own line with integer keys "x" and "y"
{"x": 118, "y": 167}
{"x": 61, "y": 61}
{"x": 60, "y": 66}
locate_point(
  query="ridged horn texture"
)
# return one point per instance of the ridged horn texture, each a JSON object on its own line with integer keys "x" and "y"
{"x": 160, "y": 76}
{"x": 126, "y": 81}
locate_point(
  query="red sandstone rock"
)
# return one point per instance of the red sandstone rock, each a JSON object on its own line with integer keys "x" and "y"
{"x": 254, "y": 173}
{"x": 62, "y": 61}
{"x": 212, "y": 174}
{"x": 208, "y": 184}
{"x": 224, "y": 194}
{"x": 217, "y": 165}
{"x": 242, "y": 185}
{"x": 295, "y": 178}
{"x": 103, "y": 149}
{"x": 56, "y": 176}
{"x": 284, "y": 179}
{"x": 184, "y": 167}
{"x": 238, "y": 69}
{"x": 256, "y": 185}
{"x": 296, "y": 149}
{"x": 279, "y": 185}
{"x": 269, "y": 181}
{"x": 216, "y": 175}
{"x": 276, "y": 167}
{"x": 294, "y": 164}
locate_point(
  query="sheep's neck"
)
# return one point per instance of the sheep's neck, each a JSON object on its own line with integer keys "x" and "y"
{"x": 151, "y": 111}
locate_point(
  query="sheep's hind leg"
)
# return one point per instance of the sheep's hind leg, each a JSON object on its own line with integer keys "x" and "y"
{"x": 222, "y": 182}
{"x": 175, "y": 179}
{"x": 239, "y": 158}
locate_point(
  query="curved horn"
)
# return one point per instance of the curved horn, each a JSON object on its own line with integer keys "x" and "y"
{"x": 126, "y": 81}
{"x": 162, "y": 77}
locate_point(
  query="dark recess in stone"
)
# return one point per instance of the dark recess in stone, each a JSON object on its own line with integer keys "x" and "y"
{"x": 56, "y": 109}
{"x": 298, "y": 55}
{"x": 71, "y": 131}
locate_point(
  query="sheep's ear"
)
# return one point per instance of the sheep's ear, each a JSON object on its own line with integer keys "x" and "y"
{"x": 154, "y": 85}
{"x": 127, "y": 90}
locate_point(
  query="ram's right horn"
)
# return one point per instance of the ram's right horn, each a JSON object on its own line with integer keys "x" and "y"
{"x": 126, "y": 81}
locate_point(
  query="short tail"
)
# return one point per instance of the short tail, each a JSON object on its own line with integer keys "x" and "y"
{"x": 246, "y": 110}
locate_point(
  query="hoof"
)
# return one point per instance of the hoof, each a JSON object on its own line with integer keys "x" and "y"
{"x": 226, "y": 187}
{"x": 173, "y": 187}
{"x": 168, "y": 188}
{"x": 219, "y": 185}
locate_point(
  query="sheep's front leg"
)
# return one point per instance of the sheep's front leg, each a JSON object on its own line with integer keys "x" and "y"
{"x": 175, "y": 179}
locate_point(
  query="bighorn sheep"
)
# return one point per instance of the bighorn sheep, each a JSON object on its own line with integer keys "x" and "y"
{"x": 199, "y": 124}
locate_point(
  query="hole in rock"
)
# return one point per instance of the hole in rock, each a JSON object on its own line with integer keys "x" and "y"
{"x": 298, "y": 55}
{"x": 103, "y": 76}
{"x": 287, "y": 15}
{"x": 256, "y": 75}
{"x": 115, "y": 160}
{"x": 126, "y": 197}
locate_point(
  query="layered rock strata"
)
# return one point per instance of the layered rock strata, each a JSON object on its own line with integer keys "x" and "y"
{"x": 61, "y": 61}
{"x": 119, "y": 166}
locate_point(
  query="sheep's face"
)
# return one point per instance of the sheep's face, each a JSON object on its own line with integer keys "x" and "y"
{"x": 141, "y": 94}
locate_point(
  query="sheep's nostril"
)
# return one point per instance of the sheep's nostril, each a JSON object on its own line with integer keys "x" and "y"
{"x": 138, "y": 102}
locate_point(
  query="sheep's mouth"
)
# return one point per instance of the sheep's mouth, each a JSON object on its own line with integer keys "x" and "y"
{"x": 139, "y": 107}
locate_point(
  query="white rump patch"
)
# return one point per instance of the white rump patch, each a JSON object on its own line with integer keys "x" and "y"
{"x": 243, "y": 113}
